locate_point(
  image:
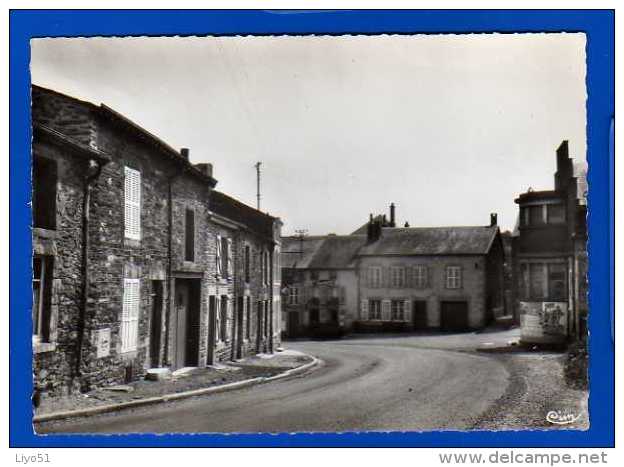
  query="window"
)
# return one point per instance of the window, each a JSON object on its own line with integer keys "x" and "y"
{"x": 420, "y": 277}
{"x": 223, "y": 316}
{"x": 557, "y": 282}
{"x": 314, "y": 275}
{"x": 267, "y": 266}
{"x": 293, "y": 296}
{"x": 524, "y": 216}
{"x": 42, "y": 288}
{"x": 556, "y": 213}
{"x": 374, "y": 277}
{"x": 397, "y": 310}
{"x": 189, "y": 235}
{"x": 543, "y": 281}
{"x": 247, "y": 317}
{"x": 132, "y": 203}
{"x": 247, "y": 263}
{"x": 130, "y": 315}
{"x": 374, "y": 309}
{"x": 44, "y": 178}
{"x": 537, "y": 281}
{"x": 398, "y": 277}
{"x": 536, "y": 215}
{"x": 453, "y": 277}
{"x": 224, "y": 257}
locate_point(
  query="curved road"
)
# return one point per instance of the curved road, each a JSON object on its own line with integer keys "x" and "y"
{"x": 374, "y": 385}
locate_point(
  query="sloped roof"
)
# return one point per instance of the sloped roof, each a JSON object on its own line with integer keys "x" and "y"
{"x": 337, "y": 252}
{"x": 234, "y": 210}
{"x": 297, "y": 253}
{"x": 432, "y": 241}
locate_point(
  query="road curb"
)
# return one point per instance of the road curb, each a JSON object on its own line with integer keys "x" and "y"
{"x": 174, "y": 396}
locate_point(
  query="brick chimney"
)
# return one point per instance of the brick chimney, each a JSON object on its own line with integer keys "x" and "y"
{"x": 493, "y": 219}
{"x": 392, "y": 215}
{"x": 184, "y": 152}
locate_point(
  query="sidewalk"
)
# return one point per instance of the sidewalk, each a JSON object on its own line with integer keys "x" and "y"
{"x": 186, "y": 382}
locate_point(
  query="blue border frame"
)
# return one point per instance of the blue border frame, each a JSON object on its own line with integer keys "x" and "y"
{"x": 597, "y": 24}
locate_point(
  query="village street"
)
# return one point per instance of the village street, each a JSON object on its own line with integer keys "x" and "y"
{"x": 373, "y": 383}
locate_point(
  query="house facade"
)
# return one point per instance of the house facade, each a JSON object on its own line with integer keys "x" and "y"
{"x": 133, "y": 267}
{"x": 550, "y": 256}
{"x": 320, "y": 284}
{"x": 388, "y": 278}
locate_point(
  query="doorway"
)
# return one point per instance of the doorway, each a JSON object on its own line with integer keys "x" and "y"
{"x": 212, "y": 329}
{"x": 419, "y": 314}
{"x": 156, "y": 323}
{"x": 240, "y": 313}
{"x": 187, "y": 310}
{"x": 454, "y": 316}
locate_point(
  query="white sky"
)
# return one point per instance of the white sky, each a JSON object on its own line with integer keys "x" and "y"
{"x": 448, "y": 127}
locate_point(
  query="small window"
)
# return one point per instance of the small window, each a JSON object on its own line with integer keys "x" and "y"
{"x": 374, "y": 277}
{"x": 420, "y": 277}
{"x": 453, "y": 277}
{"x": 41, "y": 307}
{"x": 536, "y": 215}
{"x": 44, "y": 179}
{"x": 374, "y": 309}
{"x": 397, "y": 310}
{"x": 556, "y": 213}
{"x": 189, "y": 235}
{"x": 314, "y": 275}
{"x": 293, "y": 296}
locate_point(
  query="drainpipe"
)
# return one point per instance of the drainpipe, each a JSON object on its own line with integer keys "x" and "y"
{"x": 94, "y": 171}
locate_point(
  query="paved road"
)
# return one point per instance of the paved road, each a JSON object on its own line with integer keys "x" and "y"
{"x": 365, "y": 384}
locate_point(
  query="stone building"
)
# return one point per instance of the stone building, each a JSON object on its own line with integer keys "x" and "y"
{"x": 320, "y": 279}
{"x": 131, "y": 260}
{"x": 550, "y": 256}
{"x": 395, "y": 278}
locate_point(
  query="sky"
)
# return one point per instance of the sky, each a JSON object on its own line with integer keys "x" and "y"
{"x": 448, "y": 127}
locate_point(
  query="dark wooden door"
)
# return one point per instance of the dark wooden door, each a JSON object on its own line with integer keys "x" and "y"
{"x": 454, "y": 316}
{"x": 156, "y": 323}
{"x": 212, "y": 329}
{"x": 419, "y": 314}
{"x": 240, "y": 313}
{"x": 293, "y": 323}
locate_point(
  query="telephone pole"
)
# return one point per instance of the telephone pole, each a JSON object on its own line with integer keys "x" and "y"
{"x": 257, "y": 166}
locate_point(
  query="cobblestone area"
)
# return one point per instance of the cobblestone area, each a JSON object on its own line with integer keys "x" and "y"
{"x": 263, "y": 365}
{"x": 537, "y": 387}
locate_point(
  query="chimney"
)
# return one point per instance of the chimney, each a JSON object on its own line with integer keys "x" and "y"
{"x": 204, "y": 168}
{"x": 392, "y": 213}
{"x": 493, "y": 219}
{"x": 373, "y": 230}
{"x": 184, "y": 152}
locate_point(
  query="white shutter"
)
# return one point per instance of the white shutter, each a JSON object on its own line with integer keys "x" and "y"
{"x": 132, "y": 203}
{"x": 407, "y": 311}
{"x": 229, "y": 258}
{"x": 385, "y": 310}
{"x": 130, "y": 315}
{"x": 218, "y": 255}
{"x": 364, "y": 311}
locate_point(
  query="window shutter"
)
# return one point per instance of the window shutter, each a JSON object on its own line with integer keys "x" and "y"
{"x": 130, "y": 315}
{"x": 218, "y": 256}
{"x": 407, "y": 311}
{"x": 132, "y": 203}
{"x": 364, "y": 310}
{"x": 385, "y": 310}
{"x": 385, "y": 277}
{"x": 229, "y": 258}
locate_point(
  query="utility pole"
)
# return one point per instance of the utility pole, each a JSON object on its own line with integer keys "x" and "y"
{"x": 257, "y": 166}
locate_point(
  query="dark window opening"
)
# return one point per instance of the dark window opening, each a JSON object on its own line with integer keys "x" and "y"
{"x": 42, "y": 294}
{"x": 536, "y": 215}
{"x": 247, "y": 262}
{"x": 556, "y": 213}
{"x": 44, "y": 177}
{"x": 224, "y": 257}
{"x": 223, "y": 318}
{"x": 189, "y": 235}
